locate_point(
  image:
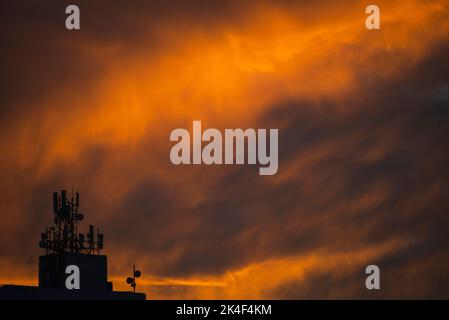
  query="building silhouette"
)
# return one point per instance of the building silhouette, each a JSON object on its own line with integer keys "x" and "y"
{"x": 64, "y": 246}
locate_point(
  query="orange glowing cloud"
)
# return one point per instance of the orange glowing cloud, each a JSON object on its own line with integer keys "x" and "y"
{"x": 108, "y": 134}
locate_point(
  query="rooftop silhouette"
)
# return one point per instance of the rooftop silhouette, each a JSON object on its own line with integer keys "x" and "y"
{"x": 64, "y": 247}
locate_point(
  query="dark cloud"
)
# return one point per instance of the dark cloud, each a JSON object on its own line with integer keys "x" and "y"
{"x": 354, "y": 173}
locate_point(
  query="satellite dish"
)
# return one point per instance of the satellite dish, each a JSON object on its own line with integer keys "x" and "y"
{"x": 132, "y": 281}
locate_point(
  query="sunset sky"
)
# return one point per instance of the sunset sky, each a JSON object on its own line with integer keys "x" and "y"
{"x": 363, "y": 119}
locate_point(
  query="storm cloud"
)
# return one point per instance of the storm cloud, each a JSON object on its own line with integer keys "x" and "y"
{"x": 363, "y": 123}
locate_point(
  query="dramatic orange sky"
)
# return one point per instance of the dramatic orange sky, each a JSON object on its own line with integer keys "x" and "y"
{"x": 363, "y": 123}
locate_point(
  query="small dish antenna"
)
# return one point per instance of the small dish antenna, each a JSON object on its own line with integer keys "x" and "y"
{"x": 132, "y": 280}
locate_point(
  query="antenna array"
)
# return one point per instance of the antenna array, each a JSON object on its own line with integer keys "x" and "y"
{"x": 63, "y": 236}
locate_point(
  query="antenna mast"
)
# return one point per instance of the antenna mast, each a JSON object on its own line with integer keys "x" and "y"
{"x": 63, "y": 236}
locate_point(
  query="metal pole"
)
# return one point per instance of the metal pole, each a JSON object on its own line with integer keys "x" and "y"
{"x": 134, "y": 278}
